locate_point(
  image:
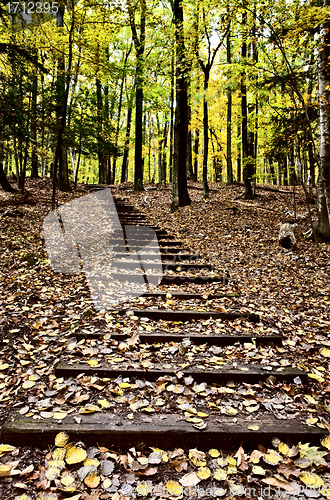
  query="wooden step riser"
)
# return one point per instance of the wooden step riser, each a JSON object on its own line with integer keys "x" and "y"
{"x": 177, "y": 266}
{"x": 163, "y": 314}
{"x": 156, "y": 338}
{"x": 116, "y": 432}
{"x": 168, "y": 256}
{"x": 252, "y": 376}
{"x": 164, "y": 249}
{"x": 169, "y": 280}
{"x": 136, "y": 244}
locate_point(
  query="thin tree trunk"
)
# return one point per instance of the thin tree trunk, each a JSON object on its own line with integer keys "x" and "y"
{"x": 239, "y": 154}
{"x": 229, "y": 119}
{"x": 124, "y": 167}
{"x": 196, "y": 151}
{"x": 172, "y": 115}
{"x": 206, "y": 191}
{"x": 323, "y": 187}
{"x": 247, "y": 160}
{"x": 34, "y": 158}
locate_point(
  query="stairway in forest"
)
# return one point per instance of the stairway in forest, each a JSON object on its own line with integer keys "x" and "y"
{"x": 221, "y": 427}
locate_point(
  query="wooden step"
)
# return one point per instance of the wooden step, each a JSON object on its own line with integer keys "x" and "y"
{"x": 176, "y": 266}
{"x": 189, "y": 296}
{"x": 186, "y": 315}
{"x": 140, "y": 243}
{"x": 250, "y": 374}
{"x": 152, "y": 250}
{"x": 162, "y": 430}
{"x": 169, "y": 280}
{"x": 172, "y": 255}
{"x": 162, "y": 337}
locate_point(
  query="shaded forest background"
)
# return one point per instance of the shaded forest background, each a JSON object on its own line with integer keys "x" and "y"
{"x": 164, "y": 92}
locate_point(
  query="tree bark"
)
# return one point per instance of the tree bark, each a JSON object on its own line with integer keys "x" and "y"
{"x": 4, "y": 181}
{"x": 229, "y": 119}
{"x": 34, "y": 158}
{"x": 180, "y": 190}
{"x": 206, "y": 191}
{"x": 247, "y": 160}
{"x": 139, "y": 43}
{"x": 323, "y": 184}
{"x": 124, "y": 167}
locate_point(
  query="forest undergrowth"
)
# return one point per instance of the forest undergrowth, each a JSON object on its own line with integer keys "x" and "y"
{"x": 40, "y": 311}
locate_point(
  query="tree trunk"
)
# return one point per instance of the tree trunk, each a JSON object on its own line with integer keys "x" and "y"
{"x": 196, "y": 151}
{"x": 180, "y": 190}
{"x": 229, "y": 118}
{"x": 206, "y": 191}
{"x": 239, "y": 157}
{"x": 34, "y": 158}
{"x": 139, "y": 43}
{"x": 247, "y": 160}
{"x": 63, "y": 179}
{"x": 323, "y": 184}
{"x": 189, "y": 139}
{"x": 4, "y": 181}
{"x": 124, "y": 167}
{"x": 100, "y": 143}
{"x": 172, "y": 116}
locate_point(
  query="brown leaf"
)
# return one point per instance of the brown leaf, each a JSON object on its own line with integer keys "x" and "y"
{"x": 150, "y": 471}
{"x": 288, "y": 470}
{"x": 273, "y": 481}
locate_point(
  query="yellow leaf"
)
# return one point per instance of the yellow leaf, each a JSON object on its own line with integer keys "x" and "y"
{"x": 5, "y": 448}
{"x": 272, "y": 458}
{"x": 324, "y": 442}
{"x": 61, "y": 439}
{"x": 254, "y": 427}
{"x": 203, "y": 473}
{"x": 103, "y": 403}
{"x": 325, "y": 352}
{"x": 220, "y": 474}
{"x": 311, "y": 421}
{"x": 59, "y": 454}
{"x": 311, "y": 479}
{"x": 4, "y": 366}
{"x": 174, "y": 488}
{"x": 91, "y": 461}
{"x": 59, "y": 415}
{"x": 93, "y": 362}
{"x": 231, "y": 411}
{"x": 259, "y": 471}
{"x": 106, "y": 483}
{"x": 67, "y": 480}
{"x": 283, "y": 448}
{"x": 202, "y": 414}
{"x": 92, "y": 480}
{"x": 214, "y": 453}
{"x": 28, "y": 384}
{"x": 162, "y": 452}
{"x": 75, "y": 455}
{"x": 124, "y": 385}
{"x": 316, "y": 377}
{"x": 231, "y": 461}
{"x": 5, "y": 470}
{"x": 89, "y": 408}
{"x": 52, "y": 473}
{"x": 197, "y": 457}
{"x": 23, "y": 497}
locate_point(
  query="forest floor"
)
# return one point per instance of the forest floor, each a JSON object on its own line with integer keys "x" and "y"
{"x": 40, "y": 310}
